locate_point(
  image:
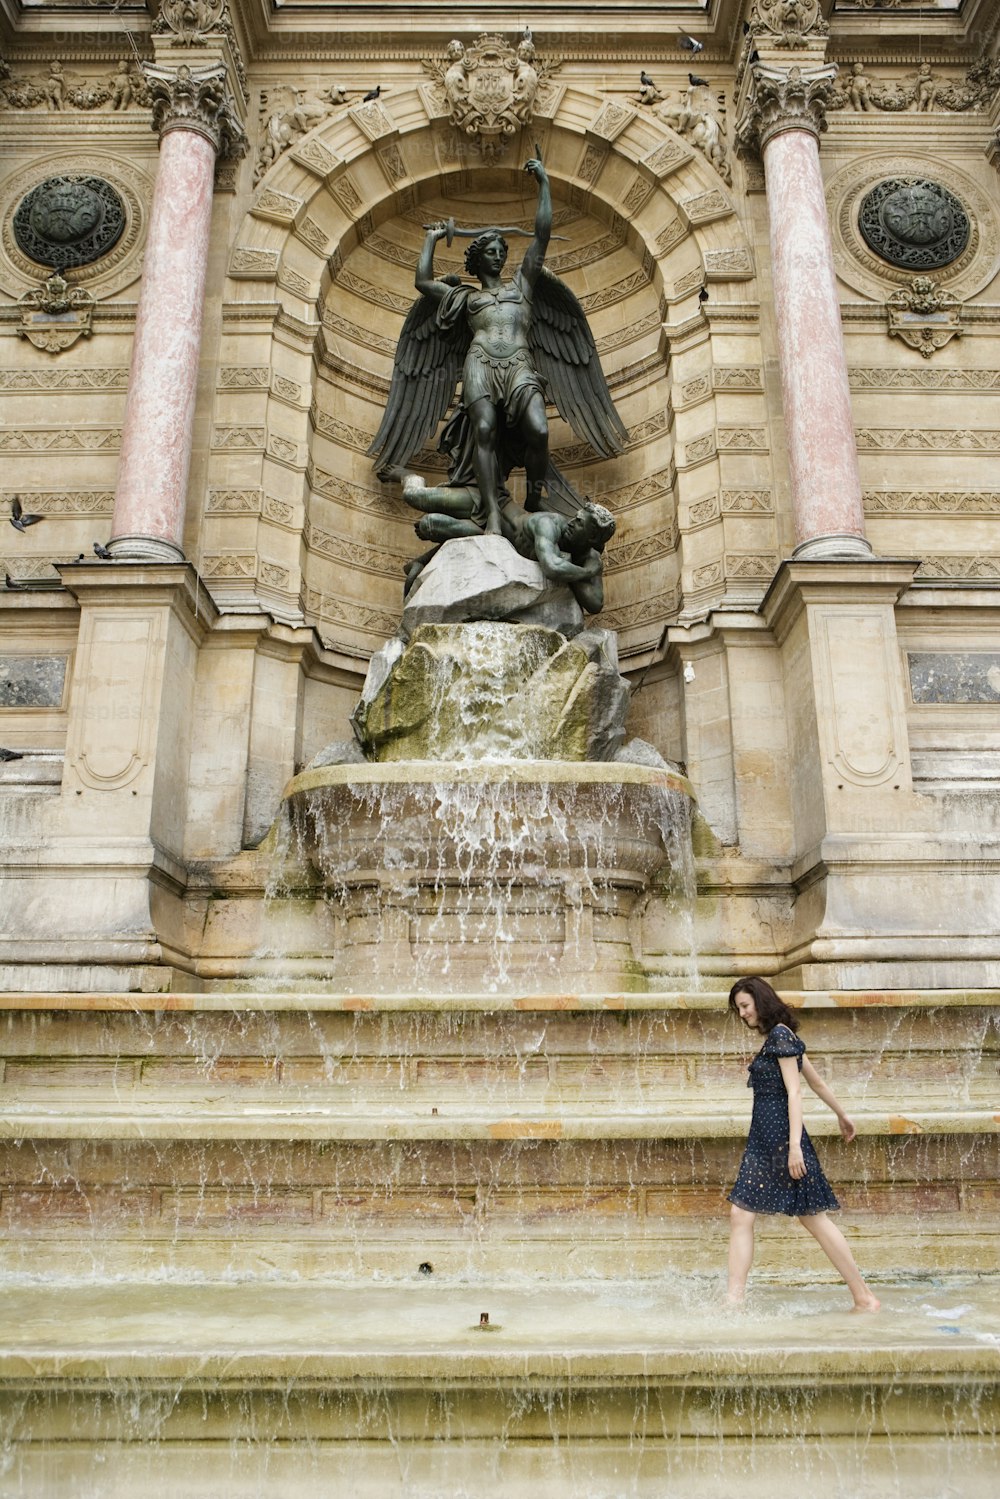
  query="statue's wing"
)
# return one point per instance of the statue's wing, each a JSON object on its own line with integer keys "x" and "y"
{"x": 566, "y": 358}
{"x": 428, "y": 362}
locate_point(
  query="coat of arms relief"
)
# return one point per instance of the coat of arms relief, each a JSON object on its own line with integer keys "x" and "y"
{"x": 490, "y": 87}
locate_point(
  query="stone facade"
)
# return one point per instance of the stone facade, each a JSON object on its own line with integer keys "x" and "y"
{"x": 791, "y": 265}
{"x": 241, "y": 448}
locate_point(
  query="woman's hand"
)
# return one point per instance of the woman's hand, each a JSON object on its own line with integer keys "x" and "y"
{"x": 796, "y": 1163}
{"x": 847, "y": 1128}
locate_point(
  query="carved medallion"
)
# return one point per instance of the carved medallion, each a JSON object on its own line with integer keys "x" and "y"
{"x": 914, "y": 224}
{"x": 69, "y": 221}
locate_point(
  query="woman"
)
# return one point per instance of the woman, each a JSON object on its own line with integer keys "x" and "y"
{"x": 779, "y": 1172}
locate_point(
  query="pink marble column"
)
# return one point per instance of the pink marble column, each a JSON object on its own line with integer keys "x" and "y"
{"x": 159, "y": 412}
{"x": 192, "y": 114}
{"x": 822, "y": 452}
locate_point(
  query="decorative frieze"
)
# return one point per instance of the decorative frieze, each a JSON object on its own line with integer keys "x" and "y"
{"x": 921, "y": 90}
{"x": 381, "y": 561}
{"x": 642, "y": 550}
{"x": 238, "y": 439}
{"x": 932, "y": 501}
{"x": 115, "y": 378}
{"x": 880, "y": 378}
{"x": 703, "y": 513}
{"x": 243, "y": 377}
{"x": 747, "y": 502}
{"x": 60, "y": 440}
{"x": 355, "y": 496}
{"x": 258, "y": 265}
{"x": 964, "y": 566}
{"x": 234, "y": 501}
{"x": 62, "y": 502}
{"x": 929, "y": 439}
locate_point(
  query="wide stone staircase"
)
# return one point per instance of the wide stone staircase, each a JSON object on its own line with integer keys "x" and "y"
{"x": 249, "y": 1242}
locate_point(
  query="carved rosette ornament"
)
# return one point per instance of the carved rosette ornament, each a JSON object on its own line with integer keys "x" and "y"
{"x": 785, "y": 99}
{"x": 184, "y": 99}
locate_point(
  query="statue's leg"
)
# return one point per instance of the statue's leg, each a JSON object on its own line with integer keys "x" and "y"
{"x": 445, "y": 528}
{"x": 441, "y": 500}
{"x": 535, "y": 435}
{"x": 483, "y": 416}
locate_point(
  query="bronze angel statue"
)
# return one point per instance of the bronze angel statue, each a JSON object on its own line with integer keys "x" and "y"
{"x": 510, "y": 343}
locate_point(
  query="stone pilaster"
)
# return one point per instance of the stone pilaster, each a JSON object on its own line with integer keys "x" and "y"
{"x": 197, "y": 120}
{"x": 784, "y": 114}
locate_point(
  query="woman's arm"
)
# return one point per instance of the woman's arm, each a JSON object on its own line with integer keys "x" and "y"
{"x": 790, "y": 1077}
{"x": 820, "y": 1089}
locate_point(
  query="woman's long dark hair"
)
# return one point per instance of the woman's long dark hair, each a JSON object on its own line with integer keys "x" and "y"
{"x": 771, "y": 1011}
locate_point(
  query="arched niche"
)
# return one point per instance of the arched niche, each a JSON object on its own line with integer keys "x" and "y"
{"x": 336, "y": 227}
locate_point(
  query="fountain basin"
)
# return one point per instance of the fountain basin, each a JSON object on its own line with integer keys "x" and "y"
{"x": 486, "y": 872}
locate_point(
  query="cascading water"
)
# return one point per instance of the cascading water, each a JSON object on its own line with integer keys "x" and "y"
{"x": 471, "y": 854}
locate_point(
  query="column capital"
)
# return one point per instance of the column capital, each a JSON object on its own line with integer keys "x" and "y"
{"x": 185, "y": 98}
{"x": 782, "y": 99}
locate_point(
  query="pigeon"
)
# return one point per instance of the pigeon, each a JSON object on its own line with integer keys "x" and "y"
{"x": 372, "y": 94}
{"x": 6, "y": 754}
{"x": 746, "y": 28}
{"x": 697, "y": 82}
{"x": 703, "y": 294}
{"x": 754, "y": 56}
{"x": 19, "y": 519}
{"x": 645, "y": 80}
{"x": 102, "y": 552}
{"x": 690, "y": 44}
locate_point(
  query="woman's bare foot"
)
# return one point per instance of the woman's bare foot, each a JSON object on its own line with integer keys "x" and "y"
{"x": 868, "y": 1303}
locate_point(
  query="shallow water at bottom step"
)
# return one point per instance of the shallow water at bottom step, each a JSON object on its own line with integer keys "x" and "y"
{"x": 605, "y": 1391}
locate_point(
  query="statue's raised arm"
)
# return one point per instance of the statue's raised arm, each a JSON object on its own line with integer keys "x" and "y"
{"x": 511, "y": 341}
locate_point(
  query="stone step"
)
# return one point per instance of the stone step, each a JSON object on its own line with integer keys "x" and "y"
{"x": 614, "y": 1390}
{"x": 202, "y": 1116}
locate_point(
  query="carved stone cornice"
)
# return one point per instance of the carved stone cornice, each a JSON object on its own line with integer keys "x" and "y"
{"x": 784, "y": 99}
{"x": 185, "y": 99}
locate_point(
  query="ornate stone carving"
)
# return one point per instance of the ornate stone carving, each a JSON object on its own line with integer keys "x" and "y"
{"x": 914, "y": 224}
{"x": 58, "y": 90}
{"x": 788, "y": 23}
{"x": 287, "y": 114}
{"x": 784, "y": 99}
{"x": 868, "y": 272}
{"x": 920, "y": 91}
{"x": 190, "y": 21}
{"x": 490, "y": 87}
{"x": 184, "y": 99}
{"x": 55, "y": 314}
{"x": 923, "y": 316}
{"x": 69, "y": 221}
{"x": 700, "y": 117}
{"x": 118, "y": 263}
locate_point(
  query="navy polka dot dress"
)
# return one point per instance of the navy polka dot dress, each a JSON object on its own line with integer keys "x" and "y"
{"x": 763, "y": 1184}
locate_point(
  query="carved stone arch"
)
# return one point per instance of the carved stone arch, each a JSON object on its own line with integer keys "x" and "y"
{"x": 625, "y": 161}
{"x": 325, "y": 205}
